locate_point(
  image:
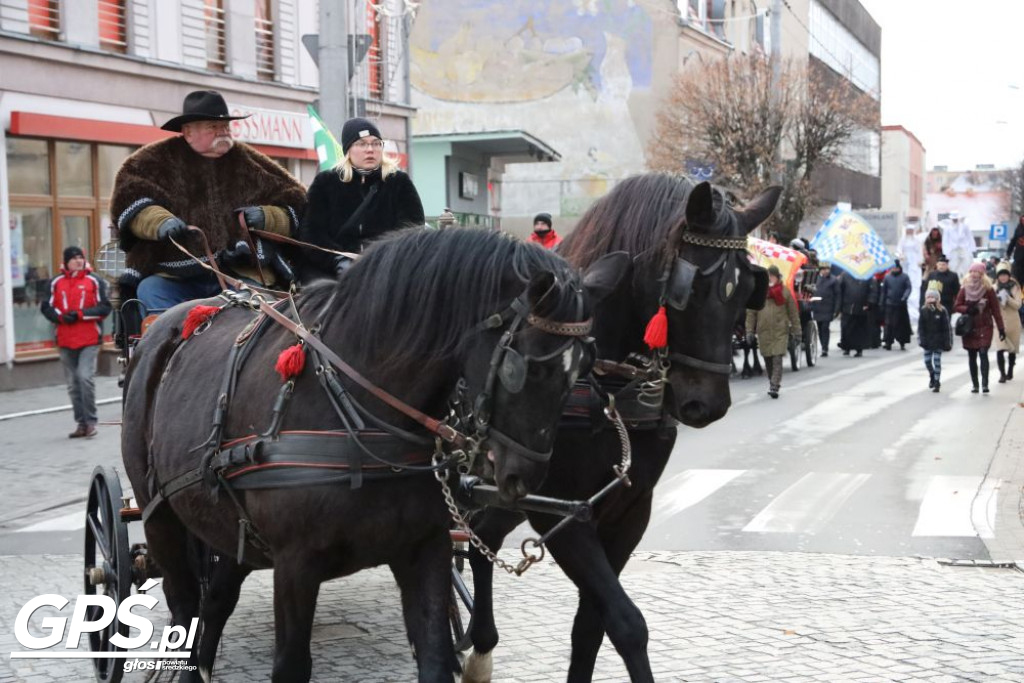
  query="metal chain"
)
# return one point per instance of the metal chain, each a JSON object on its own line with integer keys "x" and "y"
{"x": 622, "y": 469}
{"x": 463, "y": 526}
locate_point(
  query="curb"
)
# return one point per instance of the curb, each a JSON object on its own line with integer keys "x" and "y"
{"x": 1008, "y": 466}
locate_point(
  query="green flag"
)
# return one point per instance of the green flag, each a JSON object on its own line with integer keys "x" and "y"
{"x": 328, "y": 151}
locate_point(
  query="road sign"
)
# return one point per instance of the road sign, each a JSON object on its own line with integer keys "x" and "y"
{"x": 999, "y": 232}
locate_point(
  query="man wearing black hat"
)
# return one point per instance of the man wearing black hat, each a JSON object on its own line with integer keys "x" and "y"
{"x": 543, "y": 234}
{"x": 357, "y": 201}
{"x": 201, "y": 178}
{"x": 77, "y": 306}
{"x": 945, "y": 281}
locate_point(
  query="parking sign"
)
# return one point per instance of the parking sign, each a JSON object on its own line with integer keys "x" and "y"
{"x": 999, "y": 232}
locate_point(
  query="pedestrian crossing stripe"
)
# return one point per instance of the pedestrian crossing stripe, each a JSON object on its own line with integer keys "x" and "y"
{"x": 951, "y": 506}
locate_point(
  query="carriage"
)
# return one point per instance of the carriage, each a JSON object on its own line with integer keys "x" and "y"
{"x": 805, "y": 351}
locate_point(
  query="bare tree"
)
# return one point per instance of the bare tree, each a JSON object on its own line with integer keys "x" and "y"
{"x": 733, "y": 115}
{"x": 1017, "y": 191}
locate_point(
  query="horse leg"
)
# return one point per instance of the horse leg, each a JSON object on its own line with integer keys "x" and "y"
{"x": 219, "y": 601}
{"x": 492, "y": 526}
{"x": 295, "y": 593}
{"x": 604, "y": 605}
{"x": 424, "y": 578}
{"x": 170, "y": 545}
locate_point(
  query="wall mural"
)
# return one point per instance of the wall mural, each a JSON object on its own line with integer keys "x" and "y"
{"x": 574, "y": 73}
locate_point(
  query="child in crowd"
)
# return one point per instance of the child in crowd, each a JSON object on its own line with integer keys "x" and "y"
{"x": 935, "y": 335}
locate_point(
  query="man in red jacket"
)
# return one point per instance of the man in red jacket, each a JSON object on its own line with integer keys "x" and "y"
{"x": 77, "y": 305}
{"x": 543, "y": 234}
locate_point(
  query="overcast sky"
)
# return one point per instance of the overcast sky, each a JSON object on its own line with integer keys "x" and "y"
{"x": 953, "y": 75}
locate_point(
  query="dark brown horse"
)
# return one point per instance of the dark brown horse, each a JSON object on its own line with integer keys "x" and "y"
{"x": 413, "y": 316}
{"x": 689, "y": 256}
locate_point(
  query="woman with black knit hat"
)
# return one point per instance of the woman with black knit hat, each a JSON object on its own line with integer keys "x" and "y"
{"x": 357, "y": 201}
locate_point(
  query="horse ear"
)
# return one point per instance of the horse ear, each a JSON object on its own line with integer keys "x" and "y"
{"x": 604, "y": 275}
{"x": 700, "y": 206}
{"x": 540, "y": 286}
{"x": 759, "y": 209}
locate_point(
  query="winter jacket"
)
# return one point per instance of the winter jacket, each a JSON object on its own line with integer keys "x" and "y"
{"x": 1011, "y": 316}
{"x": 84, "y": 294}
{"x": 948, "y": 285}
{"x": 331, "y": 202}
{"x": 549, "y": 240}
{"x": 980, "y": 336}
{"x": 934, "y": 332}
{"x": 828, "y": 294}
{"x": 775, "y": 324}
{"x": 896, "y": 289}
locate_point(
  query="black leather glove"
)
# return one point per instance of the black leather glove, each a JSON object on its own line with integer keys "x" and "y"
{"x": 1002, "y": 335}
{"x": 254, "y": 217}
{"x": 69, "y": 317}
{"x": 171, "y": 227}
{"x": 341, "y": 264}
{"x": 237, "y": 256}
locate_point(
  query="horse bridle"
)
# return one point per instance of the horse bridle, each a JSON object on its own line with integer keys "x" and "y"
{"x": 678, "y": 286}
{"x": 511, "y": 368}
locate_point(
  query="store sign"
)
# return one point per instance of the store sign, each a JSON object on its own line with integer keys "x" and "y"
{"x": 272, "y": 127}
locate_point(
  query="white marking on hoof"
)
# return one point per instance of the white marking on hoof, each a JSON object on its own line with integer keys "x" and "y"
{"x": 205, "y": 674}
{"x": 478, "y": 668}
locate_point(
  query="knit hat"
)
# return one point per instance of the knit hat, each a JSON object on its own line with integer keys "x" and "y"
{"x": 354, "y": 129}
{"x": 1003, "y": 267}
{"x": 72, "y": 252}
{"x": 942, "y": 259}
{"x": 542, "y": 218}
{"x": 976, "y": 268}
{"x": 932, "y": 294}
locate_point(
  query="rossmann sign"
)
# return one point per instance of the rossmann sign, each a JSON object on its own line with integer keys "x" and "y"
{"x": 272, "y": 127}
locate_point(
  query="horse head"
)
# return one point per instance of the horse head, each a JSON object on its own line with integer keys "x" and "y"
{"x": 521, "y": 373}
{"x": 708, "y": 283}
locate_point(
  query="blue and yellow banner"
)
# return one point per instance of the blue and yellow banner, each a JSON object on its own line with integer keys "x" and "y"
{"x": 848, "y": 241}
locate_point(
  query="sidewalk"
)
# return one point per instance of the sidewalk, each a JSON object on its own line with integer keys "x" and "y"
{"x": 725, "y": 616}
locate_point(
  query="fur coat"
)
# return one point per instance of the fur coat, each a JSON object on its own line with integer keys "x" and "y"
{"x": 200, "y": 191}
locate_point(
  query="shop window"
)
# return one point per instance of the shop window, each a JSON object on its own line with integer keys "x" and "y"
{"x": 44, "y": 19}
{"x": 31, "y": 233}
{"x": 110, "y": 159}
{"x": 264, "y": 41}
{"x": 74, "y": 169}
{"x": 28, "y": 166}
{"x": 76, "y": 231}
{"x": 216, "y": 35}
{"x": 113, "y": 25}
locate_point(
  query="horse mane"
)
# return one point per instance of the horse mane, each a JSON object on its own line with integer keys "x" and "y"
{"x": 643, "y": 214}
{"x": 413, "y": 297}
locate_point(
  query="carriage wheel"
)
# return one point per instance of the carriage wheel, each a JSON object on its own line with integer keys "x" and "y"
{"x": 811, "y": 346}
{"x": 107, "y": 565}
{"x": 460, "y": 609}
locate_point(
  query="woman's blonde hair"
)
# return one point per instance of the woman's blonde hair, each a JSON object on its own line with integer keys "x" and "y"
{"x": 388, "y": 165}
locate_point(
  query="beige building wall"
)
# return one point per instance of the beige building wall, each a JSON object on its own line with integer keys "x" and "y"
{"x": 903, "y": 174}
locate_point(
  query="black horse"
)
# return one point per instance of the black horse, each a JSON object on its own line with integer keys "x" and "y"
{"x": 414, "y": 315}
{"x": 688, "y": 249}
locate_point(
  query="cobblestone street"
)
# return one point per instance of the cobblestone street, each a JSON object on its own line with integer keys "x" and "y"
{"x": 723, "y": 616}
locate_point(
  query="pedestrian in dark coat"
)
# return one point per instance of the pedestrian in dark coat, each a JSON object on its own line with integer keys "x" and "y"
{"x": 856, "y": 301}
{"x": 77, "y": 305}
{"x": 360, "y": 200}
{"x": 896, "y": 289}
{"x": 935, "y": 335}
{"x": 876, "y": 313}
{"x": 825, "y": 303}
{"x": 977, "y": 298}
{"x": 945, "y": 281}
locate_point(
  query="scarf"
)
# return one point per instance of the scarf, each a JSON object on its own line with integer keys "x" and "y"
{"x": 775, "y": 293}
{"x": 974, "y": 292}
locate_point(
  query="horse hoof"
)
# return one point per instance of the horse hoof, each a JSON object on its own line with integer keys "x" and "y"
{"x": 478, "y": 668}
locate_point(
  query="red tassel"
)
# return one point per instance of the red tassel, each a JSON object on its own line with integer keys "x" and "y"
{"x": 291, "y": 362}
{"x": 196, "y": 317}
{"x": 656, "y": 334}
